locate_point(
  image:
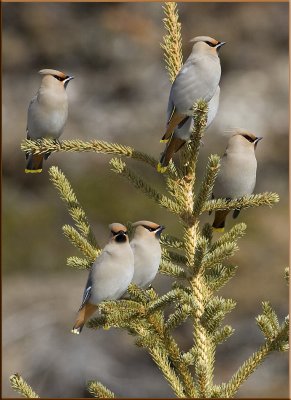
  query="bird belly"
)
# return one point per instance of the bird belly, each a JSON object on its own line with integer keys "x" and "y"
{"x": 46, "y": 124}
{"x": 237, "y": 181}
{"x": 145, "y": 269}
{"x": 195, "y": 83}
{"x": 110, "y": 282}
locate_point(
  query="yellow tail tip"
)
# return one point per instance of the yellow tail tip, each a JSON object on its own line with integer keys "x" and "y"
{"x": 75, "y": 331}
{"x": 221, "y": 230}
{"x": 106, "y": 328}
{"x": 33, "y": 171}
{"x": 161, "y": 169}
{"x": 164, "y": 140}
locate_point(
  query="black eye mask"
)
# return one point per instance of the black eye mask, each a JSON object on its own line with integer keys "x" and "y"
{"x": 149, "y": 228}
{"x": 210, "y": 44}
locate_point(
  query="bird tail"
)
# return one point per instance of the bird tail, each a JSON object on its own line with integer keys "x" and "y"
{"x": 219, "y": 220}
{"x": 175, "y": 120}
{"x": 174, "y": 145}
{"x": 34, "y": 163}
{"x": 83, "y": 315}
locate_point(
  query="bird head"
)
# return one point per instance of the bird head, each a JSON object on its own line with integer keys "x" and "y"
{"x": 206, "y": 44}
{"x": 54, "y": 76}
{"x": 244, "y": 138}
{"x": 118, "y": 232}
{"x": 148, "y": 229}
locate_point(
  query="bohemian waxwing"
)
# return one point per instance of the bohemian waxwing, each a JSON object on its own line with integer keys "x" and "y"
{"x": 147, "y": 252}
{"x": 183, "y": 132}
{"x": 47, "y": 113}
{"x": 237, "y": 175}
{"x": 198, "y": 79}
{"x": 109, "y": 276}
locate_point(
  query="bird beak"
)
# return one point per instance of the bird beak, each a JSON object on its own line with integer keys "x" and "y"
{"x": 68, "y": 79}
{"x": 159, "y": 231}
{"x": 258, "y": 139}
{"x": 219, "y": 44}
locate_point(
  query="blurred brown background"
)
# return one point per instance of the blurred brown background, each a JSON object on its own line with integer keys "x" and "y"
{"x": 120, "y": 93}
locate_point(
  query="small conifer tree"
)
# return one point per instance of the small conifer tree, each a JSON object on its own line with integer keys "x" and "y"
{"x": 196, "y": 262}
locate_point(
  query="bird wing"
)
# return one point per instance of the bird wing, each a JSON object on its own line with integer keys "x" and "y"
{"x": 32, "y": 101}
{"x": 87, "y": 291}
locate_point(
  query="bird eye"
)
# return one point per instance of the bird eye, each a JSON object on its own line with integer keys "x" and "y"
{"x": 249, "y": 138}
{"x": 117, "y": 233}
{"x": 58, "y": 78}
{"x": 210, "y": 44}
{"x": 149, "y": 228}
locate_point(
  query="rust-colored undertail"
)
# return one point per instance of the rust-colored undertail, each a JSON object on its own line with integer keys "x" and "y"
{"x": 82, "y": 317}
{"x": 219, "y": 220}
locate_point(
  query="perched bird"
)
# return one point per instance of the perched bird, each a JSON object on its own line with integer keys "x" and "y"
{"x": 183, "y": 132}
{"x": 109, "y": 276}
{"x": 198, "y": 79}
{"x": 47, "y": 113}
{"x": 237, "y": 175}
{"x": 147, "y": 252}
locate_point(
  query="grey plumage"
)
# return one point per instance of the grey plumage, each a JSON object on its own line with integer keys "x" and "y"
{"x": 237, "y": 175}
{"x": 198, "y": 79}
{"x": 183, "y": 131}
{"x": 147, "y": 252}
{"x": 47, "y": 113}
{"x": 109, "y": 276}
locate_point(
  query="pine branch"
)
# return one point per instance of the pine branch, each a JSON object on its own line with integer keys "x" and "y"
{"x": 160, "y": 357}
{"x": 78, "y": 263}
{"x": 207, "y": 184}
{"x": 149, "y": 339}
{"x": 67, "y": 194}
{"x": 232, "y": 235}
{"x": 268, "y": 321}
{"x": 120, "y": 167}
{"x": 100, "y": 391}
{"x": 138, "y": 294}
{"x": 178, "y": 317}
{"x": 253, "y": 200}
{"x": 203, "y": 359}
{"x": 99, "y": 146}
{"x": 172, "y": 41}
{"x": 277, "y": 343}
{"x": 97, "y": 322}
{"x": 162, "y": 301}
{"x": 19, "y": 385}
{"x": 215, "y": 311}
{"x": 218, "y": 255}
{"x": 168, "y": 268}
{"x": 171, "y": 241}
{"x": 156, "y": 320}
{"x": 207, "y": 232}
{"x": 218, "y": 275}
{"x": 191, "y": 150}
{"x": 221, "y": 335}
{"x": 81, "y": 243}
{"x": 200, "y": 251}
{"x": 173, "y": 257}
